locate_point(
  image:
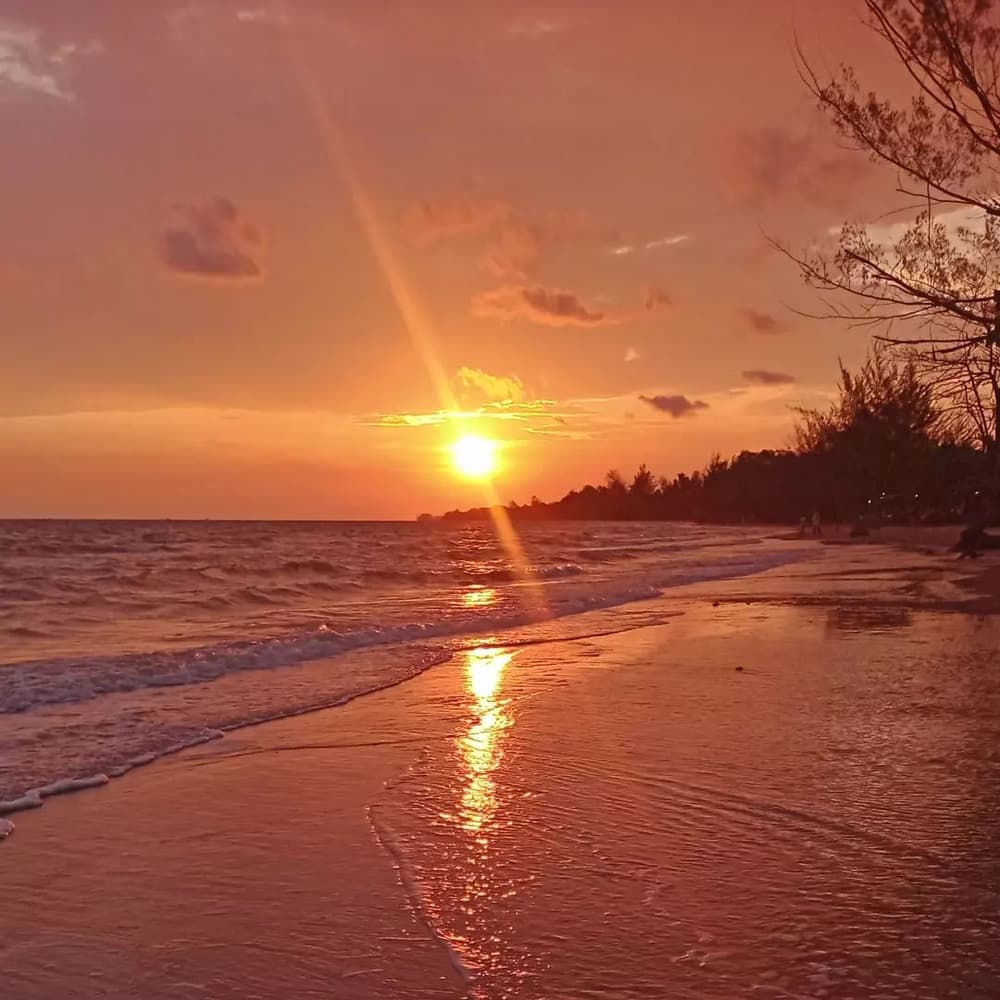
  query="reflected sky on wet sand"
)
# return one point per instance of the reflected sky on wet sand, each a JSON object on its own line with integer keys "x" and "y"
{"x": 632, "y": 816}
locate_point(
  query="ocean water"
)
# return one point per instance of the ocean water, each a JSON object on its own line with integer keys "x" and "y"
{"x": 625, "y": 815}
{"x": 122, "y": 641}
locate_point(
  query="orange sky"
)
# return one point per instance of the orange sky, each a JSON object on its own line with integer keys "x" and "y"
{"x": 566, "y": 197}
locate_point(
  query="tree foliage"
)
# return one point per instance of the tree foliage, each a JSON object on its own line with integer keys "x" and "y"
{"x": 884, "y": 403}
{"x": 936, "y": 275}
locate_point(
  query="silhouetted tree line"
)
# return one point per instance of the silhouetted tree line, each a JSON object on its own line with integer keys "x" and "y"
{"x": 882, "y": 451}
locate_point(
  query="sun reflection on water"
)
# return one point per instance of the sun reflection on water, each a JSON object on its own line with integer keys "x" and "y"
{"x": 481, "y": 908}
{"x": 479, "y": 597}
{"x": 480, "y": 746}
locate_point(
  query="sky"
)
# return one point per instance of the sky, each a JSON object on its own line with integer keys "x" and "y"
{"x": 269, "y": 259}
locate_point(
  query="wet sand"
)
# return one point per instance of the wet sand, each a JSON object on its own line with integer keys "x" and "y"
{"x": 790, "y": 789}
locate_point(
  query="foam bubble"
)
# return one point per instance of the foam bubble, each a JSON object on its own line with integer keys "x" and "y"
{"x": 30, "y": 800}
{"x": 64, "y": 785}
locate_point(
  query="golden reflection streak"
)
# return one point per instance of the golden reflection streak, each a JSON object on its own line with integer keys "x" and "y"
{"x": 479, "y": 597}
{"x": 415, "y": 321}
{"x": 480, "y": 746}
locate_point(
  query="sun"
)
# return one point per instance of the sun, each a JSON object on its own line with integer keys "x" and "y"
{"x": 474, "y": 457}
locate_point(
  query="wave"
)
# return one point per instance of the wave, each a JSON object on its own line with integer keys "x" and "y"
{"x": 657, "y": 547}
{"x": 351, "y": 657}
{"x": 559, "y": 572}
{"x": 290, "y": 583}
{"x": 471, "y": 576}
{"x": 25, "y": 632}
{"x": 308, "y": 566}
{"x": 116, "y": 753}
{"x": 67, "y": 680}
{"x": 20, "y": 594}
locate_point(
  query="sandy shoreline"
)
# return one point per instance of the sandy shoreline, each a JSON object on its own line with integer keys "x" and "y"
{"x": 616, "y": 816}
{"x": 967, "y": 585}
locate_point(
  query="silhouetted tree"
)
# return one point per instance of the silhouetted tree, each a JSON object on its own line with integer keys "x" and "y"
{"x": 883, "y": 397}
{"x": 938, "y": 275}
{"x": 643, "y": 483}
{"x": 614, "y": 481}
{"x": 878, "y": 437}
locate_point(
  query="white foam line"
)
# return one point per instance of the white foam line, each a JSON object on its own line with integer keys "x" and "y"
{"x": 30, "y": 800}
{"x": 387, "y": 841}
{"x": 34, "y": 798}
{"x": 65, "y": 785}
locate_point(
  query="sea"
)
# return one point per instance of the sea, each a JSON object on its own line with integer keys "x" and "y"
{"x": 122, "y": 641}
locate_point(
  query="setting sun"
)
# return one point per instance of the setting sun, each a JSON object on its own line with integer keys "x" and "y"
{"x": 474, "y": 457}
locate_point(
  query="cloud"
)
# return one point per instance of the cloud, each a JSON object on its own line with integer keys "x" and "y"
{"x": 523, "y": 412}
{"x": 668, "y": 241}
{"x": 761, "y": 376}
{"x": 571, "y": 419}
{"x": 514, "y": 239}
{"x": 546, "y": 306}
{"x": 771, "y": 163}
{"x": 763, "y": 322}
{"x": 211, "y": 240}
{"x": 429, "y": 219}
{"x": 515, "y": 248}
{"x": 676, "y": 406}
{"x": 656, "y": 297}
{"x": 535, "y": 29}
{"x": 414, "y": 419}
{"x": 771, "y": 159}
{"x": 585, "y": 429}
{"x": 556, "y": 307}
{"x": 250, "y": 14}
{"x": 518, "y": 242}
{"x": 627, "y": 249}
{"x": 557, "y": 431}
{"x": 28, "y": 64}
{"x": 632, "y": 355}
{"x": 970, "y": 219}
{"x": 494, "y": 388}
{"x": 519, "y": 408}
{"x": 203, "y": 20}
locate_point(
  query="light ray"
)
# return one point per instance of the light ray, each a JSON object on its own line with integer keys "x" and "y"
{"x": 415, "y": 321}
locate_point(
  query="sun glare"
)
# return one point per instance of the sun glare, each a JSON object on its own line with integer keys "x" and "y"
{"x": 474, "y": 457}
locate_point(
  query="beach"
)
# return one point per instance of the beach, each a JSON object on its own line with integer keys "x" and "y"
{"x": 501, "y": 500}
{"x": 786, "y": 785}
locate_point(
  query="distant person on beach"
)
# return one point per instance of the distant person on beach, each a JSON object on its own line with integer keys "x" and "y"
{"x": 974, "y": 539}
{"x": 817, "y": 524}
{"x": 803, "y": 521}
